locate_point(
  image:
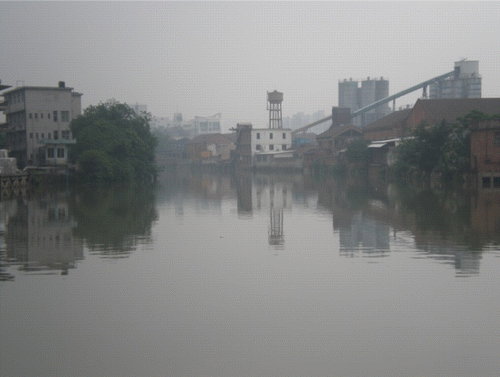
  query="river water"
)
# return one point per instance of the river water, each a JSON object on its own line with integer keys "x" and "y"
{"x": 250, "y": 275}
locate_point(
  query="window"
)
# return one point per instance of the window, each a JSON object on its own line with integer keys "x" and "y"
{"x": 284, "y": 135}
{"x": 41, "y": 115}
{"x": 31, "y": 135}
{"x": 48, "y": 115}
{"x": 43, "y": 135}
{"x": 49, "y": 135}
{"x": 496, "y": 182}
{"x": 55, "y": 115}
{"x": 65, "y": 116}
{"x": 60, "y": 152}
{"x": 56, "y": 135}
{"x": 258, "y": 147}
{"x": 258, "y": 135}
{"x": 50, "y": 153}
{"x": 486, "y": 182}
{"x": 496, "y": 139}
{"x": 36, "y": 135}
{"x": 36, "y": 115}
{"x": 31, "y": 116}
{"x": 283, "y": 147}
{"x": 270, "y": 135}
{"x": 271, "y": 147}
{"x": 65, "y": 135}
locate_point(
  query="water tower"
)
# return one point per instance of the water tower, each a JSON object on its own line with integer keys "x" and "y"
{"x": 274, "y": 100}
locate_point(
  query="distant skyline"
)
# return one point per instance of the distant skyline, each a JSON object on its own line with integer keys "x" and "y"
{"x": 202, "y": 58}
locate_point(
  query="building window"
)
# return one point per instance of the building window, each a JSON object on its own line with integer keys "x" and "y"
{"x": 36, "y": 135}
{"x": 50, "y": 153}
{"x": 284, "y": 135}
{"x": 496, "y": 139}
{"x": 36, "y": 115}
{"x": 56, "y": 135}
{"x": 41, "y": 115}
{"x": 31, "y": 116}
{"x": 496, "y": 182}
{"x": 270, "y": 135}
{"x": 271, "y": 147}
{"x": 486, "y": 182}
{"x": 258, "y": 135}
{"x": 258, "y": 147}
{"x": 49, "y": 135}
{"x": 60, "y": 152}
{"x": 48, "y": 115}
{"x": 65, "y": 134}
{"x": 43, "y": 135}
{"x": 55, "y": 115}
{"x": 65, "y": 116}
{"x": 283, "y": 147}
{"x": 31, "y": 135}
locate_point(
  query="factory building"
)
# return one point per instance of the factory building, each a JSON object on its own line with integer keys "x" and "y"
{"x": 466, "y": 83}
{"x": 354, "y": 94}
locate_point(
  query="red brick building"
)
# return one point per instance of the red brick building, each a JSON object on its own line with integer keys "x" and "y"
{"x": 485, "y": 153}
{"x": 392, "y": 126}
{"x": 434, "y": 111}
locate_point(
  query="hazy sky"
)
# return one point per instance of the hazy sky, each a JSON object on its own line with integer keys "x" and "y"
{"x": 202, "y": 58}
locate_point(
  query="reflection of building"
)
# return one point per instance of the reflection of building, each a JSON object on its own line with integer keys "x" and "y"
{"x": 40, "y": 236}
{"x": 38, "y": 121}
{"x": 367, "y": 235}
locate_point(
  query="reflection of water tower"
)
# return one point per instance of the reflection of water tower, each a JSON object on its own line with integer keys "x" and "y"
{"x": 274, "y": 100}
{"x": 276, "y": 235}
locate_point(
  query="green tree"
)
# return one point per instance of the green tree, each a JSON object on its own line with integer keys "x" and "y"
{"x": 440, "y": 148}
{"x": 114, "y": 143}
{"x": 357, "y": 150}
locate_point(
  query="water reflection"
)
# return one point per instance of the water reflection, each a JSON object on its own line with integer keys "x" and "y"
{"x": 114, "y": 220}
{"x": 46, "y": 233}
{"x": 448, "y": 226}
{"x": 38, "y": 235}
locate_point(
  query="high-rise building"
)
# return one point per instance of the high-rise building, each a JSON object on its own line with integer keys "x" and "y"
{"x": 38, "y": 119}
{"x": 354, "y": 94}
{"x": 466, "y": 83}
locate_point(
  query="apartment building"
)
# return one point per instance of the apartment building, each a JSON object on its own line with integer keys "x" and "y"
{"x": 38, "y": 119}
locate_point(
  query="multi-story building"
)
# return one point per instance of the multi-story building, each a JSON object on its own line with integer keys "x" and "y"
{"x": 355, "y": 95}
{"x": 38, "y": 120}
{"x": 466, "y": 83}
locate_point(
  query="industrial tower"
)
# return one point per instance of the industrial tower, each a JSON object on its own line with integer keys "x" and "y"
{"x": 274, "y": 100}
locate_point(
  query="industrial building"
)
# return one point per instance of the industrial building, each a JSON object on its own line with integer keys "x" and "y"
{"x": 465, "y": 83}
{"x": 354, "y": 95}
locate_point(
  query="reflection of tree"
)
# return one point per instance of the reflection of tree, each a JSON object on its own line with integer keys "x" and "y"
{"x": 111, "y": 220}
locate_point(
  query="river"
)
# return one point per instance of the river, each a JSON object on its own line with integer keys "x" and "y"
{"x": 250, "y": 275}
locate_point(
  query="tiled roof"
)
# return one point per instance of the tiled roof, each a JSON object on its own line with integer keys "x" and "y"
{"x": 388, "y": 121}
{"x": 451, "y": 109}
{"x": 207, "y": 139}
{"x": 334, "y": 132}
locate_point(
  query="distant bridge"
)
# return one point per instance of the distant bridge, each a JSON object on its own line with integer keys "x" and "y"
{"x": 383, "y": 101}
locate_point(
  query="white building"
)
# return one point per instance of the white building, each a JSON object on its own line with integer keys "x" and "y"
{"x": 267, "y": 140}
{"x": 38, "y": 119}
{"x": 466, "y": 84}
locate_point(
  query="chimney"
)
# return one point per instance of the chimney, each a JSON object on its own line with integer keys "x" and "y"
{"x": 62, "y": 84}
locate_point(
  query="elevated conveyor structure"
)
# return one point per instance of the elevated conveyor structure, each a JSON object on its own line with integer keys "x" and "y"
{"x": 365, "y": 109}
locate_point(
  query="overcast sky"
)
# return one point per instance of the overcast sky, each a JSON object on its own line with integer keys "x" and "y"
{"x": 202, "y": 58}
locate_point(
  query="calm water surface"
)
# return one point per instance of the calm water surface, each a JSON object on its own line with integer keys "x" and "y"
{"x": 264, "y": 275}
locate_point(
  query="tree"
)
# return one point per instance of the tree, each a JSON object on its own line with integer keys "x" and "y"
{"x": 440, "y": 148}
{"x": 114, "y": 143}
{"x": 357, "y": 150}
